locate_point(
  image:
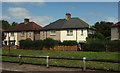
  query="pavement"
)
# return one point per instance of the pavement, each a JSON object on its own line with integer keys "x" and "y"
{"x": 8, "y": 67}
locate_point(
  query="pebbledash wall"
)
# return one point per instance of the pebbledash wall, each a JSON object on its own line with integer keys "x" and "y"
{"x": 114, "y": 33}
{"x": 17, "y": 37}
{"x": 62, "y": 35}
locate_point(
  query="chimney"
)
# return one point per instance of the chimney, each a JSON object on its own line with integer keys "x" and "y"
{"x": 26, "y": 20}
{"x": 67, "y": 16}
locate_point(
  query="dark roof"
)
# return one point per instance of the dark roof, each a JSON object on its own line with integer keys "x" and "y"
{"x": 116, "y": 25}
{"x": 30, "y": 26}
{"x": 72, "y": 23}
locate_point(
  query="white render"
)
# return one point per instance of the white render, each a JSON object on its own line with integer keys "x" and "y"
{"x": 79, "y": 38}
{"x": 8, "y": 34}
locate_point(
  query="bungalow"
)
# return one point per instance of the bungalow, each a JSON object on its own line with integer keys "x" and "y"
{"x": 69, "y": 28}
{"x": 115, "y": 31}
{"x": 22, "y": 31}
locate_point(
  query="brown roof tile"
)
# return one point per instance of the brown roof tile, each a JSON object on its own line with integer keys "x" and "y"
{"x": 30, "y": 26}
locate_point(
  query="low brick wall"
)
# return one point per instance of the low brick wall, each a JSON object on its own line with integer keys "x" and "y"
{"x": 62, "y": 48}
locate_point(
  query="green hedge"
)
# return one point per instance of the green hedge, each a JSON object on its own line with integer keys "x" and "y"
{"x": 68, "y": 43}
{"x": 47, "y": 43}
{"x": 113, "y": 45}
{"x": 94, "y": 45}
{"x": 50, "y": 43}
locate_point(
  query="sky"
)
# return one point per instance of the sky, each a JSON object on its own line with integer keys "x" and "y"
{"x": 44, "y": 13}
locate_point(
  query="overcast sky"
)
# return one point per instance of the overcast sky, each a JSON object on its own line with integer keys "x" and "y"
{"x": 44, "y": 13}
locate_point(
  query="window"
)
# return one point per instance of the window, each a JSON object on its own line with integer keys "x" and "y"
{"x": 22, "y": 33}
{"x": 82, "y": 32}
{"x": 69, "y": 32}
{"x": 12, "y": 33}
{"x": 52, "y": 32}
{"x": 30, "y": 33}
{"x": 43, "y": 33}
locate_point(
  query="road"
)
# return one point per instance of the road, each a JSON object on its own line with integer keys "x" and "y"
{"x": 8, "y": 67}
{"x": 5, "y": 71}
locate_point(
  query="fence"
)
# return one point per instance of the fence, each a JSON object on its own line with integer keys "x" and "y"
{"x": 63, "y": 48}
{"x": 65, "y": 58}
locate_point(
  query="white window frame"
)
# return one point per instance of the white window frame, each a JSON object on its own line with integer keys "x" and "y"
{"x": 43, "y": 33}
{"x": 69, "y": 32}
{"x": 82, "y": 30}
{"x": 22, "y": 33}
{"x": 12, "y": 33}
{"x": 53, "y": 32}
{"x": 29, "y": 33}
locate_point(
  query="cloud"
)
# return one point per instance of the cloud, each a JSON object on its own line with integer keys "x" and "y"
{"x": 110, "y": 19}
{"x": 94, "y": 17}
{"x": 6, "y": 17}
{"x": 42, "y": 20}
{"x": 19, "y": 14}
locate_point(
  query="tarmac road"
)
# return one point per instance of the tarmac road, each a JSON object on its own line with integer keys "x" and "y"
{"x": 8, "y": 67}
{"x": 5, "y": 71}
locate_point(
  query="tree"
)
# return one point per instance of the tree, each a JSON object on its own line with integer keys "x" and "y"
{"x": 14, "y": 23}
{"x": 3, "y": 36}
{"x": 103, "y": 28}
{"x": 5, "y": 24}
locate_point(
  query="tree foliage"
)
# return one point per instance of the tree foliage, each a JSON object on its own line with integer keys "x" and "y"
{"x": 103, "y": 28}
{"x": 14, "y": 24}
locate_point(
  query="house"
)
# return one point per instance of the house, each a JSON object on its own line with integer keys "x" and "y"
{"x": 69, "y": 28}
{"x": 115, "y": 31}
{"x": 22, "y": 31}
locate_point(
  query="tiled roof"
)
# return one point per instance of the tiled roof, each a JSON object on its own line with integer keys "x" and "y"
{"x": 30, "y": 26}
{"x": 72, "y": 23}
{"x": 117, "y": 24}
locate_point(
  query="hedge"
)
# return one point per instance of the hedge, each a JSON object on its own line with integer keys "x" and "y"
{"x": 47, "y": 43}
{"x": 113, "y": 46}
{"x": 94, "y": 45}
{"x": 68, "y": 43}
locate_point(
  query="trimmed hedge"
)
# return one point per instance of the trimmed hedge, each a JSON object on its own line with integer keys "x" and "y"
{"x": 68, "y": 43}
{"x": 94, "y": 45}
{"x": 113, "y": 46}
{"x": 50, "y": 43}
{"x": 47, "y": 43}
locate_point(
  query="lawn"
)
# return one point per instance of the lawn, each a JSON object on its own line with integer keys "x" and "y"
{"x": 66, "y": 63}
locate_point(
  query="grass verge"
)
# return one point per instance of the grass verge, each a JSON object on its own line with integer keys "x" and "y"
{"x": 66, "y": 63}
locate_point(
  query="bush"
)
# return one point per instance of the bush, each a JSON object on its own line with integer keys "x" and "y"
{"x": 68, "y": 43}
{"x": 50, "y": 43}
{"x": 38, "y": 44}
{"x": 26, "y": 43}
{"x": 94, "y": 45}
{"x": 113, "y": 45}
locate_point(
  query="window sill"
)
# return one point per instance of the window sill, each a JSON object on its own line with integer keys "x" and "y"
{"x": 53, "y": 35}
{"x": 69, "y": 34}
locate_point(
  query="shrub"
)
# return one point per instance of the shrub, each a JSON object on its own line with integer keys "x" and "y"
{"x": 113, "y": 45}
{"x": 94, "y": 45}
{"x": 26, "y": 43}
{"x": 50, "y": 43}
{"x": 38, "y": 44}
{"x": 68, "y": 43}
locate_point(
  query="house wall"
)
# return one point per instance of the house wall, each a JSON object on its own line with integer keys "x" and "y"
{"x": 17, "y": 37}
{"x": 26, "y": 35}
{"x": 114, "y": 33}
{"x": 48, "y": 35}
{"x": 56, "y": 37}
{"x": 79, "y": 38}
{"x": 12, "y": 38}
{"x": 41, "y": 35}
